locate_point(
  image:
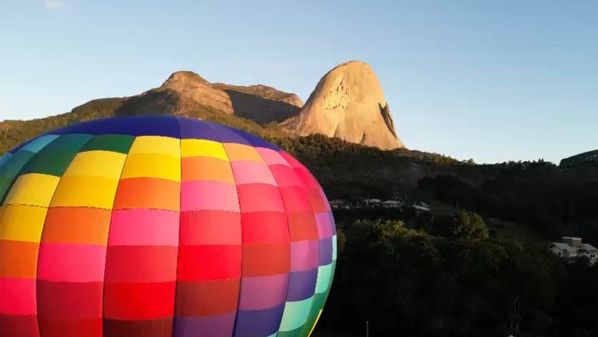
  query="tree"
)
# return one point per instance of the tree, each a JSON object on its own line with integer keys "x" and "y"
{"x": 469, "y": 225}
{"x": 463, "y": 225}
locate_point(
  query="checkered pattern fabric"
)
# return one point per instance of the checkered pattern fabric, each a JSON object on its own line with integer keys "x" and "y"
{"x": 160, "y": 227}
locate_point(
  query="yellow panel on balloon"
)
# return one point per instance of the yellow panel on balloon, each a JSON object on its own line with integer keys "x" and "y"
{"x": 202, "y": 148}
{"x": 143, "y": 165}
{"x": 97, "y": 163}
{"x": 32, "y": 189}
{"x": 85, "y": 191}
{"x": 22, "y": 223}
{"x": 157, "y": 144}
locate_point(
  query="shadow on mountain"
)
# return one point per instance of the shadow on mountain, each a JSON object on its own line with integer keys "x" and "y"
{"x": 260, "y": 110}
{"x": 149, "y": 103}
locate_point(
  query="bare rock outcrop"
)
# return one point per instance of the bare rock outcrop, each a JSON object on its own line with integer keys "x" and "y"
{"x": 191, "y": 86}
{"x": 185, "y": 93}
{"x": 348, "y": 103}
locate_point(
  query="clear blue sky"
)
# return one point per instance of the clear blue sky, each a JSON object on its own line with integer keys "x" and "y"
{"x": 488, "y": 80}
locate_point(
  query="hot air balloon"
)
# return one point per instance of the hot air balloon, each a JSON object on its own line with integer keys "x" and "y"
{"x": 159, "y": 227}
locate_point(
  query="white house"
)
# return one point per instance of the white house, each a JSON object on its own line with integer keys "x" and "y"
{"x": 391, "y": 204}
{"x": 421, "y": 207}
{"x": 337, "y": 204}
{"x": 572, "y": 247}
{"x": 372, "y": 202}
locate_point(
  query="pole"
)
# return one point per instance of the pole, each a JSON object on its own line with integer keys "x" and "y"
{"x": 367, "y": 328}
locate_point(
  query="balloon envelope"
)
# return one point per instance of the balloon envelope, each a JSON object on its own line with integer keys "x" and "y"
{"x": 160, "y": 227}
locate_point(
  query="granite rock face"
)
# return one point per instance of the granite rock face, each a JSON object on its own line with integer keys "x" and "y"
{"x": 348, "y": 103}
{"x": 191, "y": 86}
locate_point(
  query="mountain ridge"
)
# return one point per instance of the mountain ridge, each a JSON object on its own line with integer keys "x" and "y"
{"x": 258, "y": 108}
{"x": 584, "y": 158}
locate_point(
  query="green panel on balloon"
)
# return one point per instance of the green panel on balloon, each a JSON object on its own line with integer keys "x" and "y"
{"x": 5, "y": 158}
{"x": 334, "y": 247}
{"x": 295, "y": 314}
{"x": 15, "y": 164}
{"x": 318, "y": 303}
{"x": 115, "y": 143}
{"x": 57, "y": 156}
{"x": 10, "y": 170}
{"x": 39, "y": 143}
{"x": 323, "y": 283}
{"x": 324, "y": 278}
{"x": 293, "y": 333}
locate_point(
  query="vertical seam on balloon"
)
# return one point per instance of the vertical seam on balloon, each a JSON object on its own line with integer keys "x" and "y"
{"x": 332, "y": 262}
{"x": 290, "y": 253}
{"x": 39, "y": 329}
{"x": 311, "y": 307}
{"x": 286, "y": 214}
{"x": 240, "y": 225}
{"x": 40, "y": 236}
{"x": 178, "y": 251}
{"x": 118, "y": 185}
{"x": 314, "y": 214}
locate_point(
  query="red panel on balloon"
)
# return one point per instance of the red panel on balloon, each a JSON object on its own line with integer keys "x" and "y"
{"x": 266, "y": 259}
{"x": 77, "y": 300}
{"x": 260, "y": 198}
{"x": 302, "y": 226}
{"x": 138, "y": 301}
{"x": 141, "y": 264}
{"x": 205, "y": 298}
{"x": 265, "y": 227}
{"x": 210, "y": 228}
{"x": 209, "y": 262}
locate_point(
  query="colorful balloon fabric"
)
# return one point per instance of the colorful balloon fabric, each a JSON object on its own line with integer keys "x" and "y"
{"x": 160, "y": 227}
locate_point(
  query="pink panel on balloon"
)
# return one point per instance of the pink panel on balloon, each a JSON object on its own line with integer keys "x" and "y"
{"x": 71, "y": 263}
{"x": 17, "y": 296}
{"x": 208, "y": 195}
{"x": 247, "y": 172}
{"x": 156, "y": 226}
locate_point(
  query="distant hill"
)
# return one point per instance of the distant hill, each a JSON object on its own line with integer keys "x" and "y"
{"x": 582, "y": 159}
{"x": 154, "y": 102}
{"x": 361, "y": 114}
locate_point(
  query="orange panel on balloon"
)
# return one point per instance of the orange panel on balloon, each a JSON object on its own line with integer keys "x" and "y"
{"x": 18, "y": 259}
{"x": 147, "y": 193}
{"x": 77, "y": 225}
{"x": 207, "y": 168}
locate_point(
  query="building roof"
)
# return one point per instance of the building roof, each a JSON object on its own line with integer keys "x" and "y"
{"x": 570, "y": 249}
{"x": 564, "y": 246}
{"x": 588, "y": 247}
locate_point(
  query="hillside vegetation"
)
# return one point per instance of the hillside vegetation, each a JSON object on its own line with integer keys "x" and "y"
{"x": 13, "y": 133}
